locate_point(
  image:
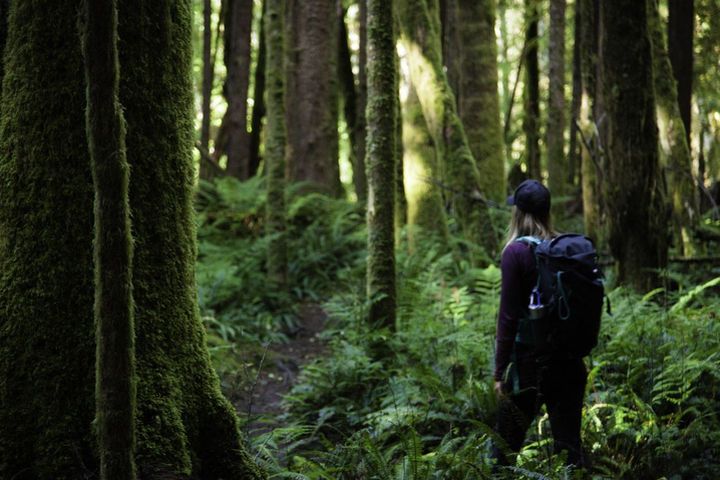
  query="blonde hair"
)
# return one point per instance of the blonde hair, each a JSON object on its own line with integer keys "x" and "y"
{"x": 525, "y": 224}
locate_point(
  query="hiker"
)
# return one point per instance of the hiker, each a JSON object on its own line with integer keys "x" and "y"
{"x": 524, "y": 378}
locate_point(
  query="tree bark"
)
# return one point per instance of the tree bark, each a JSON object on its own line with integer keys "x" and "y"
{"x": 674, "y": 146}
{"x": 207, "y": 84}
{"x": 426, "y": 215}
{"x": 238, "y": 26}
{"x": 421, "y": 40}
{"x": 576, "y": 102}
{"x": 381, "y": 145}
{"x": 555, "y": 134}
{"x": 474, "y": 62}
{"x": 311, "y": 98}
{"x": 634, "y": 190}
{"x": 681, "y": 29}
{"x": 275, "y": 141}
{"x": 258, "y": 111}
{"x": 115, "y": 384}
{"x": 350, "y": 104}
{"x": 360, "y": 122}
{"x": 531, "y": 93}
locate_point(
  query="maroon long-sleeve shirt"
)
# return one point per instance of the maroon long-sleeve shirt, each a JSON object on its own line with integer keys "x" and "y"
{"x": 519, "y": 274}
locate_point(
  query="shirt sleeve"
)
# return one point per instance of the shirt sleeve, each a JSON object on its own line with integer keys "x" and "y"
{"x": 512, "y": 307}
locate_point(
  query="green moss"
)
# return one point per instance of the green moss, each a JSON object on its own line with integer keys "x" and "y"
{"x": 421, "y": 41}
{"x": 557, "y": 162}
{"x": 380, "y": 163}
{"x": 46, "y": 264}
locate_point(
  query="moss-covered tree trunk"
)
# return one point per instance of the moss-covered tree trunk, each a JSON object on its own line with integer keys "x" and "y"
{"x": 401, "y": 204}
{"x": 574, "y": 145}
{"x": 421, "y": 39}
{"x": 311, "y": 94}
{"x": 634, "y": 188}
{"x": 590, "y": 157}
{"x": 531, "y": 92}
{"x": 555, "y": 132}
{"x": 674, "y": 146}
{"x": 361, "y": 101}
{"x": 473, "y": 59}
{"x": 238, "y": 26}
{"x": 426, "y": 215}
{"x": 115, "y": 333}
{"x": 258, "y": 111}
{"x": 47, "y": 343}
{"x": 185, "y": 426}
{"x": 380, "y": 163}
{"x": 275, "y": 141}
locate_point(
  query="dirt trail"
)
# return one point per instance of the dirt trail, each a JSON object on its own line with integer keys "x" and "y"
{"x": 279, "y": 371}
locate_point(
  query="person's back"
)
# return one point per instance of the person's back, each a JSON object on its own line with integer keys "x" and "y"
{"x": 524, "y": 380}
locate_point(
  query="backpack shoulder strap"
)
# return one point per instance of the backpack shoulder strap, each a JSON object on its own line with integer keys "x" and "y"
{"x": 529, "y": 240}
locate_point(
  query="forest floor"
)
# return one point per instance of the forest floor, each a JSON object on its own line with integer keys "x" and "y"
{"x": 279, "y": 370}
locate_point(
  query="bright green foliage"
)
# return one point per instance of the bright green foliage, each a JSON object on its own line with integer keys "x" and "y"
{"x": 380, "y": 162}
{"x": 115, "y": 382}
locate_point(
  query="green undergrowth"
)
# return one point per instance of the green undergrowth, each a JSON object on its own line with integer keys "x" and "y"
{"x": 426, "y": 410}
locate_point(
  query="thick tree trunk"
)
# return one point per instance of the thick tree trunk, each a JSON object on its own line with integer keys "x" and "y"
{"x": 474, "y": 61}
{"x": 350, "y": 104}
{"x": 531, "y": 93}
{"x": 381, "y": 111}
{"x": 421, "y": 40}
{"x": 258, "y": 111}
{"x": 47, "y": 343}
{"x": 238, "y": 25}
{"x": 401, "y": 205}
{"x": 185, "y": 427}
{"x": 275, "y": 141}
{"x": 555, "y": 134}
{"x": 426, "y": 215}
{"x": 208, "y": 76}
{"x": 681, "y": 28}
{"x": 674, "y": 146}
{"x": 115, "y": 384}
{"x": 312, "y": 94}
{"x": 634, "y": 190}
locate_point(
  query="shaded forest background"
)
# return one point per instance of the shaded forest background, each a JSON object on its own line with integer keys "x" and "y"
{"x": 260, "y": 238}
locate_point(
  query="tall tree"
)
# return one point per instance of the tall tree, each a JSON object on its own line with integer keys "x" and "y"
{"x": 591, "y": 157}
{"x": 47, "y": 343}
{"x": 426, "y": 215}
{"x": 576, "y": 102}
{"x": 276, "y": 137}
{"x": 380, "y": 161}
{"x": 207, "y": 84}
{"x": 350, "y": 106}
{"x": 184, "y": 426}
{"x": 238, "y": 26}
{"x": 311, "y": 94}
{"x": 258, "y": 111}
{"x": 555, "y": 132}
{"x": 421, "y": 39}
{"x": 681, "y": 29}
{"x": 531, "y": 93}
{"x": 361, "y": 101}
{"x": 674, "y": 146}
{"x": 473, "y": 74}
{"x": 115, "y": 334}
{"x": 634, "y": 189}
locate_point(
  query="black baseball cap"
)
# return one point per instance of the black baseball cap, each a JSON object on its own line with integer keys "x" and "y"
{"x": 531, "y": 196}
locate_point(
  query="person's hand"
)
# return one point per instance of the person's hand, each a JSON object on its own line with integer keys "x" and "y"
{"x": 499, "y": 389}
